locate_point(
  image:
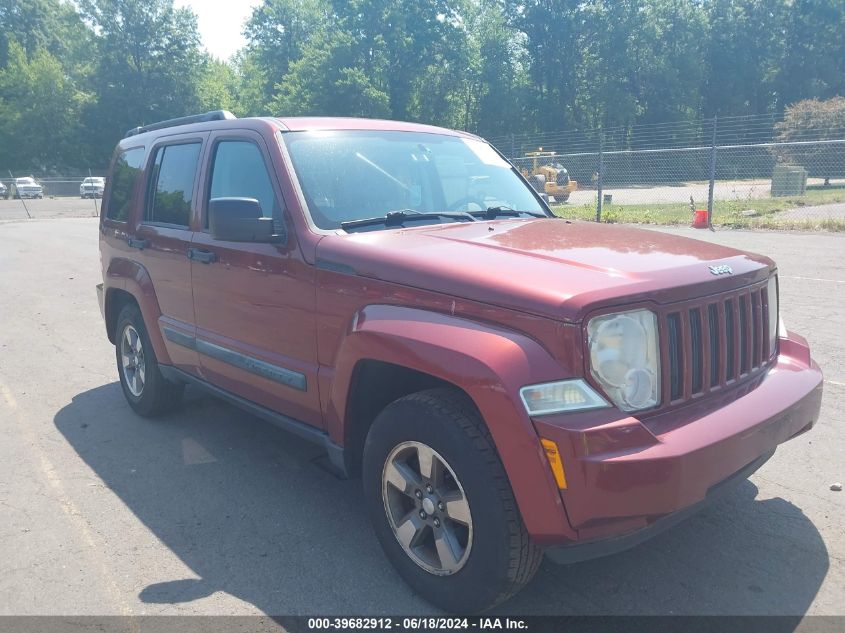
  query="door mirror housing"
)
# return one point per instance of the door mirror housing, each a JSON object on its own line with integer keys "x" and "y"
{"x": 239, "y": 220}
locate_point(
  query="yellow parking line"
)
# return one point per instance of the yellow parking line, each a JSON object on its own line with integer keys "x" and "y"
{"x": 76, "y": 517}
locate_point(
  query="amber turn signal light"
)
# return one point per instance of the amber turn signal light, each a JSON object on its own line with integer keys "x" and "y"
{"x": 555, "y": 463}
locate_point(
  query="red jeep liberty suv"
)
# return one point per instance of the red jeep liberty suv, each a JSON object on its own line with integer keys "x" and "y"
{"x": 506, "y": 383}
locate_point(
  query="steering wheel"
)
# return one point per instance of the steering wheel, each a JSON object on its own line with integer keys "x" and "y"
{"x": 467, "y": 200}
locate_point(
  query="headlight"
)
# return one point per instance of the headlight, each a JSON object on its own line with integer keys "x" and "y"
{"x": 560, "y": 397}
{"x": 774, "y": 319}
{"x": 624, "y": 358}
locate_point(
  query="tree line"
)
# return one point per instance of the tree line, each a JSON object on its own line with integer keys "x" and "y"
{"x": 75, "y": 76}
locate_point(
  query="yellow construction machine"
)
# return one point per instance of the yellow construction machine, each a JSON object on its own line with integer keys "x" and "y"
{"x": 547, "y": 175}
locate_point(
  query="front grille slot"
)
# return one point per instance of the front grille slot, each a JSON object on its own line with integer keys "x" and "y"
{"x": 676, "y": 367}
{"x": 713, "y": 319}
{"x": 697, "y": 356}
{"x": 756, "y": 329}
{"x": 713, "y": 344}
{"x": 729, "y": 340}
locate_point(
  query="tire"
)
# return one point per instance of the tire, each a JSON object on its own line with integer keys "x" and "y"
{"x": 492, "y": 557}
{"x": 564, "y": 198}
{"x": 146, "y": 390}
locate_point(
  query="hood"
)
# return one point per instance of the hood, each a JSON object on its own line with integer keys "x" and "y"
{"x": 549, "y": 267}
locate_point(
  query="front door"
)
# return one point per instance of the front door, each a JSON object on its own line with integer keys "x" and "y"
{"x": 254, "y": 303}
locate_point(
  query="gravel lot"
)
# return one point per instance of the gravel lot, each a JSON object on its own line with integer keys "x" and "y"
{"x": 213, "y": 512}
{"x": 49, "y": 208}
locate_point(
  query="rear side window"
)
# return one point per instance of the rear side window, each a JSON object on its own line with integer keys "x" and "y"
{"x": 125, "y": 171}
{"x": 172, "y": 184}
{"x": 239, "y": 172}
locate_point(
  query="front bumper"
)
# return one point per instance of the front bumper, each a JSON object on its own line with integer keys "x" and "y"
{"x": 627, "y": 476}
{"x": 568, "y": 554}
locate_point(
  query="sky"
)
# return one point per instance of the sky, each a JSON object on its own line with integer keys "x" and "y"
{"x": 220, "y": 23}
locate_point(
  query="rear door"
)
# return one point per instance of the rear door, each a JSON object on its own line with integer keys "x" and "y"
{"x": 163, "y": 238}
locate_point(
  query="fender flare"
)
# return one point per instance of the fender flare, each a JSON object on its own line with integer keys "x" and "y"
{"x": 131, "y": 277}
{"x": 490, "y": 364}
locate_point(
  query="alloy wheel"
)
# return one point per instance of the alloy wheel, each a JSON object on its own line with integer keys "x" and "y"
{"x": 427, "y": 508}
{"x": 132, "y": 360}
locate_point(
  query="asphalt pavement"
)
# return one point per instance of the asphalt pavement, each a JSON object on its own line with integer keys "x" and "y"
{"x": 210, "y": 511}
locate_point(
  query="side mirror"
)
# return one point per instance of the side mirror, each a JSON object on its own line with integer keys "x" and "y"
{"x": 239, "y": 220}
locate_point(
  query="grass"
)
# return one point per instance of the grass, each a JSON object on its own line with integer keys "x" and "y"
{"x": 726, "y": 213}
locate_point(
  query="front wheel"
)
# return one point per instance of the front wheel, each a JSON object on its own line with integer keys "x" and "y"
{"x": 441, "y": 503}
{"x": 146, "y": 390}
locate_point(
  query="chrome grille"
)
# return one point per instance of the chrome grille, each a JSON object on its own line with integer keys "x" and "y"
{"x": 714, "y": 342}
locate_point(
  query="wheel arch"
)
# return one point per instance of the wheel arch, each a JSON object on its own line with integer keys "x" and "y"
{"x": 127, "y": 281}
{"x": 374, "y": 385}
{"x": 116, "y": 299}
{"x": 424, "y": 349}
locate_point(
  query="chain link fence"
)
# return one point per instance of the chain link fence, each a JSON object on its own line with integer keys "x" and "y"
{"x": 52, "y": 185}
{"x": 52, "y": 196}
{"x": 732, "y": 173}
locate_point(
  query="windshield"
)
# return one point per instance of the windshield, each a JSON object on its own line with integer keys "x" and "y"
{"x": 354, "y": 175}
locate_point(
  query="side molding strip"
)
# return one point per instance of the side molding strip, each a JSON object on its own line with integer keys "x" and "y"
{"x": 281, "y": 375}
{"x": 278, "y": 374}
{"x": 185, "y": 340}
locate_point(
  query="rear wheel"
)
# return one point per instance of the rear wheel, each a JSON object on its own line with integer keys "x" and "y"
{"x": 442, "y": 505}
{"x": 146, "y": 390}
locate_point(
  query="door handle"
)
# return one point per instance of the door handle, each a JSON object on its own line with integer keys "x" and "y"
{"x": 135, "y": 242}
{"x": 201, "y": 255}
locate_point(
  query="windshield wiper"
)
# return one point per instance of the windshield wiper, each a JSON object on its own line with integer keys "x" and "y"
{"x": 397, "y": 218}
{"x": 495, "y": 212}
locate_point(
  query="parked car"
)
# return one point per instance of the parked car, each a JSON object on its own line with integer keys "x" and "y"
{"x": 3, "y": 190}
{"x": 28, "y": 188}
{"x": 92, "y": 187}
{"x": 506, "y": 383}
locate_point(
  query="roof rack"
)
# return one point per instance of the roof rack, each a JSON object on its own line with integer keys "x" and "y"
{"x": 215, "y": 115}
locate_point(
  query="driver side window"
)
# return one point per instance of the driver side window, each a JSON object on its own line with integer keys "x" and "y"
{"x": 239, "y": 171}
